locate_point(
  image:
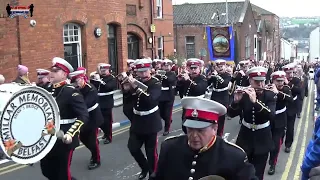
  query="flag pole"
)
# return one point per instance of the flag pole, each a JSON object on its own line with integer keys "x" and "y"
{"x": 227, "y": 13}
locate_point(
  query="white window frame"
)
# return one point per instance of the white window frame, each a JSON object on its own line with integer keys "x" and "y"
{"x": 159, "y": 9}
{"x": 247, "y": 47}
{"x": 160, "y": 39}
{"x": 78, "y": 42}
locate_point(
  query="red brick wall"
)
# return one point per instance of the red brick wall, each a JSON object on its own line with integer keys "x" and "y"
{"x": 41, "y": 43}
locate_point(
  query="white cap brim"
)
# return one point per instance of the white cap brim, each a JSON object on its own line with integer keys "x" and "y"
{"x": 259, "y": 78}
{"x": 142, "y": 69}
{"x": 196, "y": 124}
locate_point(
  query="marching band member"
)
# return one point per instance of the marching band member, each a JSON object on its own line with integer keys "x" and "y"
{"x": 292, "y": 108}
{"x": 167, "y": 97}
{"x": 85, "y": 72}
{"x": 280, "y": 119}
{"x": 304, "y": 88}
{"x": 73, "y": 113}
{"x": 181, "y": 70}
{"x": 146, "y": 122}
{"x": 201, "y": 152}
{"x": 43, "y": 78}
{"x": 258, "y": 108}
{"x": 219, "y": 82}
{"x": 105, "y": 83}
{"x": 89, "y": 134}
{"x": 156, "y": 64}
{"x": 23, "y": 73}
{"x": 192, "y": 83}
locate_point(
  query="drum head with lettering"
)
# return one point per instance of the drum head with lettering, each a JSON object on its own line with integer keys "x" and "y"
{"x": 28, "y": 125}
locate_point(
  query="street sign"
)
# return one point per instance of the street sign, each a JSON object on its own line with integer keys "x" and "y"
{"x": 153, "y": 28}
{"x": 203, "y": 52}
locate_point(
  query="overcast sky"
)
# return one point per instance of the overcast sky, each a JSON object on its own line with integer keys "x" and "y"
{"x": 280, "y": 7}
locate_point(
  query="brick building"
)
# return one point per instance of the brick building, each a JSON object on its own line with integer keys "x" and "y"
{"x": 70, "y": 29}
{"x": 190, "y": 21}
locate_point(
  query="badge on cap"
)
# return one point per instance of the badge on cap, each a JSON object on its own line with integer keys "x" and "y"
{"x": 194, "y": 113}
{"x": 259, "y": 73}
{"x": 142, "y": 65}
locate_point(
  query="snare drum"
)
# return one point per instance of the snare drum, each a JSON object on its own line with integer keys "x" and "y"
{"x": 29, "y": 122}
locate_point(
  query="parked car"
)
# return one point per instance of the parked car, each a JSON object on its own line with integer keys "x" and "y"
{"x": 311, "y": 73}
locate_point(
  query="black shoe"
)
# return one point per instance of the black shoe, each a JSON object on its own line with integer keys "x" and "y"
{"x": 287, "y": 150}
{"x": 73, "y": 178}
{"x": 142, "y": 175}
{"x": 272, "y": 170}
{"x": 104, "y": 137}
{"x": 165, "y": 133}
{"x": 30, "y": 164}
{"x": 298, "y": 116}
{"x": 107, "y": 141}
{"x": 93, "y": 165}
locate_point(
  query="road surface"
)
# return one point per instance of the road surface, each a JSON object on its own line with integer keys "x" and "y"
{"x": 117, "y": 163}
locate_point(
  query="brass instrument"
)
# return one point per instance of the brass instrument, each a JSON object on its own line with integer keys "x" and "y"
{"x": 123, "y": 78}
{"x": 94, "y": 76}
{"x": 161, "y": 72}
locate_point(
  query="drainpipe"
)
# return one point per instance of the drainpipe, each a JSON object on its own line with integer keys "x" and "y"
{"x": 18, "y": 39}
{"x": 152, "y": 21}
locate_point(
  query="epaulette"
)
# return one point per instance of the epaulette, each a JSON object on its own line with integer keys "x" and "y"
{"x": 234, "y": 145}
{"x": 155, "y": 78}
{"x": 173, "y": 137}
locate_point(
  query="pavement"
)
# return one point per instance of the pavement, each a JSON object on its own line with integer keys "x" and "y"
{"x": 117, "y": 163}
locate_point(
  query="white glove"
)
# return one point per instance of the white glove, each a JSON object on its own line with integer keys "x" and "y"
{"x": 67, "y": 139}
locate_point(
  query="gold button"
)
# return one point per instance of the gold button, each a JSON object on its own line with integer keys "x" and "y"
{"x": 192, "y": 171}
{"x": 194, "y": 163}
{"x": 195, "y": 156}
{"x": 190, "y": 178}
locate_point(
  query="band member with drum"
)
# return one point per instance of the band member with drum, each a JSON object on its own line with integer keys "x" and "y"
{"x": 192, "y": 83}
{"x": 168, "y": 79}
{"x": 292, "y": 108}
{"x": 146, "y": 122}
{"x": 43, "y": 78}
{"x": 201, "y": 152}
{"x": 105, "y": 83}
{"x": 89, "y": 134}
{"x": 219, "y": 81}
{"x": 23, "y": 73}
{"x": 73, "y": 114}
{"x": 279, "y": 122}
{"x": 258, "y": 108}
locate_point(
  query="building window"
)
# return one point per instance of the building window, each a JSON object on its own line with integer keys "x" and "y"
{"x": 190, "y": 47}
{"x": 131, "y": 10}
{"x": 133, "y": 46}
{"x": 159, "y": 9}
{"x": 160, "y": 47}
{"x": 72, "y": 44}
{"x": 247, "y": 48}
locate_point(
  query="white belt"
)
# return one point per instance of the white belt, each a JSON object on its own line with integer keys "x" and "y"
{"x": 144, "y": 113}
{"x": 281, "y": 110}
{"x": 295, "y": 98}
{"x": 67, "y": 121}
{"x": 255, "y": 126}
{"x": 93, "y": 107}
{"x": 105, "y": 94}
{"x": 203, "y": 95}
{"x": 165, "y": 88}
{"x": 220, "y": 90}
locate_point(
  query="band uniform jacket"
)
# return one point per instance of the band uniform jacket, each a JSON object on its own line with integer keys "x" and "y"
{"x": 294, "y": 84}
{"x": 143, "y": 121}
{"x": 219, "y": 84}
{"x": 127, "y": 100}
{"x": 239, "y": 80}
{"x": 259, "y": 140}
{"x": 304, "y": 87}
{"x": 91, "y": 99}
{"x": 71, "y": 106}
{"x": 44, "y": 85}
{"x": 177, "y": 161}
{"x": 284, "y": 97}
{"x": 105, "y": 89}
{"x": 196, "y": 86}
{"x": 168, "y": 82}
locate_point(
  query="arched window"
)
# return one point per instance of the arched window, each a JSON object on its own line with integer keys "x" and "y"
{"x": 133, "y": 46}
{"x": 72, "y": 44}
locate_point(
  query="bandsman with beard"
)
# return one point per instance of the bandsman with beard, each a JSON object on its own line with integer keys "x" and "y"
{"x": 146, "y": 122}
{"x": 105, "y": 83}
{"x": 89, "y": 134}
{"x": 167, "y": 97}
{"x": 43, "y": 78}
{"x": 292, "y": 108}
{"x": 192, "y": 83}
{"x": 258, "y": 108}
{"x": 219, "y": 82}
{"x": 278, "y": 125}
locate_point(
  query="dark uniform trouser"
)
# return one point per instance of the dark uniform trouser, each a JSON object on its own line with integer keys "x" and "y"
{"x": 107, "y": 123}
{"x": 184, "y": 129}
{"x": 259, "y": 162}
{"x": 89, "y": 138}
{"x": 150, "y": 142}
{"x": 56, "y": 164}
{"x": 290, "y": 130}
{"x": 300, "y": 104}
{"x": 165, "y": 108}
{"x": 221, "y": 122}
{"x": 277, "y": 135}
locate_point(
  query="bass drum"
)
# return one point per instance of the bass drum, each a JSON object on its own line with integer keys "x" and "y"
{"x": 29, "y": 122}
